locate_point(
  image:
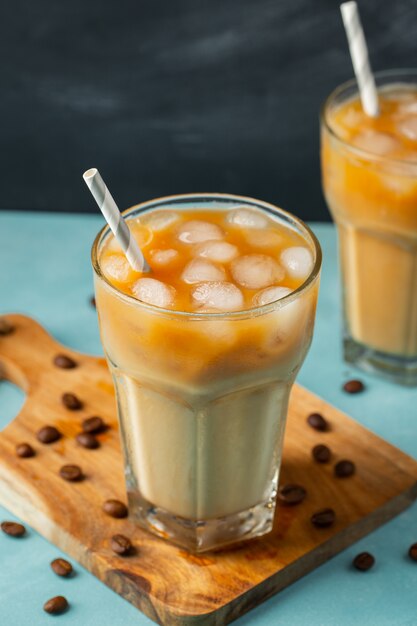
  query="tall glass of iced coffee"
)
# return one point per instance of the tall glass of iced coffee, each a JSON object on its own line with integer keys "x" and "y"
{"x": 369, "y": 170}
{"x": 203, "y": 351}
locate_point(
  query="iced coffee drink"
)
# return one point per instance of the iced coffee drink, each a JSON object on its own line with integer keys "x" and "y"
{"x": 369, "y": 167}
{"x": 203, "y": 351}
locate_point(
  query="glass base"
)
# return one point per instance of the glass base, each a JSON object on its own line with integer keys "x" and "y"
{"x": 401, "y": 370}
{"x": 202, "y": 535}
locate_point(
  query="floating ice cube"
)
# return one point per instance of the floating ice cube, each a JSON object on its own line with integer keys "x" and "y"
{"x": 256, "y": 271}
{"x": 408, "y": 127}
{"x": 220, "y": 251}
{"x": 160, "y": 219}
{"x": 380, "y": 144}
{"x": 298, "y": 261}
{"x": 161, "y": 258}
{"x": 263, "y": 238}
{"x": 200, "y": 270}
{"x": 246, "y": 218}
{"x": 271, "y": 294}
{"x": 154, "y": 292}
{"x": 141, "y": 233}
{"x": 218, "y": 296}
{"x": 116, "y": 267}
{"x": 197, "y": 231}
{"x": 409, "y": 107}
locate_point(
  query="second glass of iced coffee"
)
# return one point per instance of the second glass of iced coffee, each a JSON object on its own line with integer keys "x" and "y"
{"x": 203, "y": 352}
{"x": 369, "y": 169}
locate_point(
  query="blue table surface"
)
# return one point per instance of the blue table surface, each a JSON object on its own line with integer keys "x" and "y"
{"x": 45, "y": 273}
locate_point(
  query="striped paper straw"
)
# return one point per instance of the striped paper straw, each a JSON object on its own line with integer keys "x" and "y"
{"x": 360, "y": 58}
{"x": 115, "y": 220}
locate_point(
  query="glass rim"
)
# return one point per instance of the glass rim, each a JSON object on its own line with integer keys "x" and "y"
{"x": 340, "y": 89}
{"x": 244, "y": 313}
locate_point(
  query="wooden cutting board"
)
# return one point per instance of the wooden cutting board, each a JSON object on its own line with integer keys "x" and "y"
{"x": 171, "y": 586}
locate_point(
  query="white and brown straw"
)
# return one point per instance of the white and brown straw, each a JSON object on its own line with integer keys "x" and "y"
{"x": 115, "y": 220}
{"x": 360, "y": 58}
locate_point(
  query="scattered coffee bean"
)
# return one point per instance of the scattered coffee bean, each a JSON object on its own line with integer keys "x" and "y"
{"x": 6, "y": 328}
{"x": 121, "y": 545}
{"x": 115, "y": 508}
{"x": 71, "y": 401}
{"x": 344, "y": 468}
{"x": 291, "y": 494}
{"x": 93, "y": 425}
{"x": 318, "y": 422}
{"x": 412, "y": 552}
{"x": 323, "y": 518}
{"x": 72, "y": 473}
{"x": 61, "y": 567}
{"x": 56, "y": 605}
{"x": 93, "y": 302}
{"x": 363, "y": 561}
{"x": 13, "y": 529}
{"x": 64, "y": 362}
{"x": 354, "y": 386}
{"x": 88, "y": 440}
{"x": 48, "y": 434}
{"x": 24, "y": 450}
{"x": 321, "y": 453}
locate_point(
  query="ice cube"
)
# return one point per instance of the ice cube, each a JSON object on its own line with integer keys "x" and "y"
{"x": 408, "y": 107}
{"x": 197, "y": 231}
{"x": 160, "y": 219}
{"x": 271, "y": 294}
{"x": 116, "y": 267}
{"x": 408, "y": 127}
{"x": 220, "y": 251}
{"x": 298, "y": 261}
{"x": 218, "y": 296}
{"x": 247, "y": 218}
{"x": 161, "y": 258}
{"x": 263, "y": 238}
{"x": 199, "y": 270}
{"x": 380, "y": 144}
{"x": 141, "y": 233}
{"x": 256, "y": 271}
{"x": 154, "y": 292}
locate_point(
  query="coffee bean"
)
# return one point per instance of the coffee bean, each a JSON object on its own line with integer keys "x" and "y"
{"x": 115, "y": 508}
{"x": 13, "y": 529}
{"x": 318, "y": 422}
{"x": 71, "y": 401}
{"x": 64, "y": 362}
{"x": 291, "y": 494}
{"x": 321, "y": 453}
{"x": 61, "y": 567}
{"x": 6, "y": 328}
{"x": 87, "y": 440}
{"x": 412, "y": 552}
{"x": 24, "y": 450}
{"x": 363, "y": 561}
{"x": 48, "y": 434}
{"x": 93, "y": 302}
{"x": 344, "y": 468}
{"x": 353, "y": 386}
{"x": 72, "y": 473}
{"x": 121, "y": 545}
{"x": 93, "y": 425}
{"x": 56, "y": 605}
{"x": 323, "y": 518}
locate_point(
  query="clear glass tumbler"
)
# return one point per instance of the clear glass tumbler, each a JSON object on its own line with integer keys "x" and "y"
{"x": 202, "y": 429}
{"x": 373, "y": 200}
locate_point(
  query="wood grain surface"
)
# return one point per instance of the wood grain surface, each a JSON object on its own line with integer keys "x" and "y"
{"x": 171, "y": 586}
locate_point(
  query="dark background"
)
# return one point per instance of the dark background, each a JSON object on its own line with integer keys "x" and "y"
{"x": 168, "y": 96}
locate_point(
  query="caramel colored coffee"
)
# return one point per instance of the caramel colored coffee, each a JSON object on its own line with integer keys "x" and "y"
{"x": 203, "y": 351}
{"x": 369, "y": 168}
